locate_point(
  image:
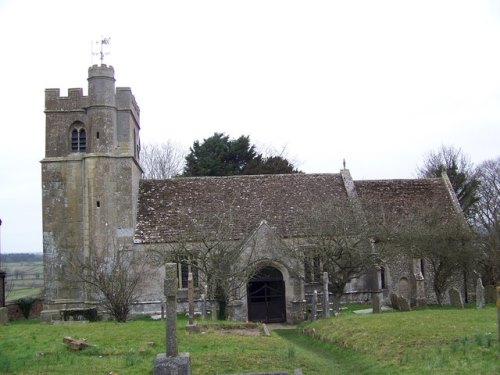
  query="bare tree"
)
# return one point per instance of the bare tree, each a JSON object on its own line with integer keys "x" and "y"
{"x": 487, "y": 220}
{"x": 460, "y": 171}
{"x": 442, "y": 239}
{"x": 162, "y": 160}
{"x": 221, "y": 255}
{"x": 113, "y": 276}
{"x": 338, "y": 240}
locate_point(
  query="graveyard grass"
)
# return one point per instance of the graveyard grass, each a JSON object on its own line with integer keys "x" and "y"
{"x": 427, "y": 341}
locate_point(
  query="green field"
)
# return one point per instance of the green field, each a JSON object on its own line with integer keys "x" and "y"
{"x": 23, "y": 279}
{"x": 429, "y": 341}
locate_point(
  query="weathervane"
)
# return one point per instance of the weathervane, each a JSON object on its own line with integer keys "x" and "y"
{"x": 101, "y": 53}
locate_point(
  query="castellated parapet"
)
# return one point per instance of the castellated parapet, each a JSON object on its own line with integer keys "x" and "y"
{"x": 90, "y": 177}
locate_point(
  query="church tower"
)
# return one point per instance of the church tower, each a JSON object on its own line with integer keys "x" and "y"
{"x": 90, "y": 177}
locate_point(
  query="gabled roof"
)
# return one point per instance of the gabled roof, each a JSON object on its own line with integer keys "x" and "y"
{"x": 177, "y": 208}
{"x": 397, "y": 201}
{"x": 169, "y": 209}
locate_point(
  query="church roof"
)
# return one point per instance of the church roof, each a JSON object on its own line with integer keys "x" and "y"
{"x": 169, "y": 209}
{"x": 396, "y": 201}
{"x": 192, "y": 208}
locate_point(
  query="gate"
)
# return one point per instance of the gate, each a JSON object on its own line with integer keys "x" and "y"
{"x": 266, "y": 297}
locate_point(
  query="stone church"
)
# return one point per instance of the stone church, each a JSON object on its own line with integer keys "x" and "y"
{"x": 93, "y": 195}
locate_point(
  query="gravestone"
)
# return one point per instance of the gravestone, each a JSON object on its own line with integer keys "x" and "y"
{"x": 480, "y": 302}
{"x": 403, "y": 304}
{"x": 204, "y": 302}
{"x": 326, "y": 299}
{"x": 4, "y": 315}
{"x": 394, "y": 301}
{"x": 376, "y": 303}
{"x": 191, "y": 326}
{"x": 314, "y": 307}
{"x": 456, "y": 298}
{"x": 171, "y": 362}
{"x": 490, "y": 294}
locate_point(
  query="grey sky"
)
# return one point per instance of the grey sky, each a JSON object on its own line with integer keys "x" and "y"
{"x": 379, "y": 83}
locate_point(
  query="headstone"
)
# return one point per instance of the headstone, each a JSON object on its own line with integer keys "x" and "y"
{"x": 480, "y": 302}
{"x": 191, "y": 326}
{"x": 314, "y": 307}
{"x": 213, "y": 310}
{"x": 326, "y": 299}
{"x": 456, "y": 298}
{"x": 171, "y": 362}
{"x": 403, "y": 304}
{"x": 490, "y": 294}
{"x": 376, "y": 303}
{"x": 204, "y": 302}
{"x": 4, "y": 315}
{"x": 394, "y": 301}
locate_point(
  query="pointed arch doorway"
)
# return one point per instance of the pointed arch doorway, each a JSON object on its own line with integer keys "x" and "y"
{"x": 266, "y": 296}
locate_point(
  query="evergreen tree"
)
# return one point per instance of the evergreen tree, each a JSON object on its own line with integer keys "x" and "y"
{"x": 219, "y": 155}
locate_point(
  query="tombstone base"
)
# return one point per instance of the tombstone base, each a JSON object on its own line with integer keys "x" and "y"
{"x": 192, "y": 328}
{"x": 180, "y": 365}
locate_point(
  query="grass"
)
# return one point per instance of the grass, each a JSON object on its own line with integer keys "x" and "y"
{"x": 426, "y": 341}
{"x": 430, "y": 341}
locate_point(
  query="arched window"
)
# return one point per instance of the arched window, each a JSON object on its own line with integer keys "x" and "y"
{"x": 78, "y": 140}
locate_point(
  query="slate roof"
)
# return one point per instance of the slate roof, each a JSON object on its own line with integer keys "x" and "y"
{"x": 174, "y": 208}
{"x": 396, "y": 201}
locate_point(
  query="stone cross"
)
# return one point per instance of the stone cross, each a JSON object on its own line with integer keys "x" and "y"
{"x": 480, "y": 300}
{"x": 191, "y": 298}
{"x": 171, "y": 362}
{"x": 326, "y": 298}
{"x": 171, "y": 286}
{"x": 314, "y": 309}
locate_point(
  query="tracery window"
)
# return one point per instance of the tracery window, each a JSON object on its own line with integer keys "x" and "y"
{"x": 78, "y": 140}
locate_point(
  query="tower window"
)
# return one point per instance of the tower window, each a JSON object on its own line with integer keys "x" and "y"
{"x": 78, "y": 140}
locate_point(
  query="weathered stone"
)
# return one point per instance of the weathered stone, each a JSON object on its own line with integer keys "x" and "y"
{"x": 191, "y": 326}
{"x": 394, "y": 301}
{"x": 76, "y": 344}
{"x": 4, "y": 315}
{"x": 490, "y": 294}
{"x": 404, "y": 304}
{"x": 171, "y": 307}
{"x": 314, "y": 306}
{"x": 480, "y": 300}
{"x": 178, "y": 365}
{"x": 48, "y": 316}
{"x": 171, "y": 362}
{"x": 456, "y": 298}
{"x": 326, "y": 299}
{"x": 376, "y": 303}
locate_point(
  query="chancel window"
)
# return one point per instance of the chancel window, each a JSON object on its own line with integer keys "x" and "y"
{"x": 78, "y": 140}
{"x": 184, "y": 267}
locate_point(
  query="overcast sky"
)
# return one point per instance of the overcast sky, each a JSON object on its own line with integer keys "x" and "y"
{"x": 379, "y": 83}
